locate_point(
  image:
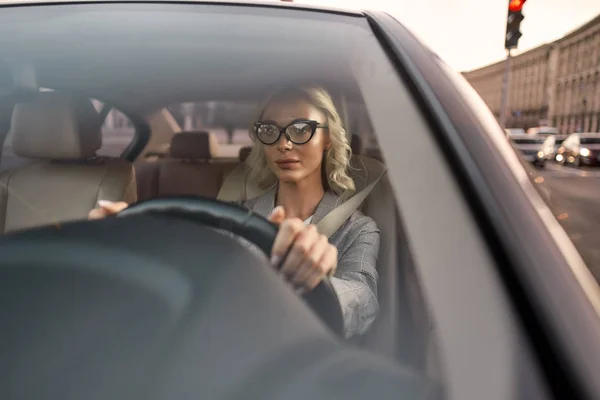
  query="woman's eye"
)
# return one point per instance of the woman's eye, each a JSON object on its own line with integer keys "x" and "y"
{"x": 268, "y": 130}
{"x": 299, "y": 129}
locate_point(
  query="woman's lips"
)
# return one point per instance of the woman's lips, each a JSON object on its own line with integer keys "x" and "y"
{"x": 287, "y": 164}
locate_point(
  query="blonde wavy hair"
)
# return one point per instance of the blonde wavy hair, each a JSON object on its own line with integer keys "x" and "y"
{"x": 336, "y": 158}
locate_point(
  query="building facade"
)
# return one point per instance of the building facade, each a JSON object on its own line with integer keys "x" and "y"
{"x": 554, "y": 84}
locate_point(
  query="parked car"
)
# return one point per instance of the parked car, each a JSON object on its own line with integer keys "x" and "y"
{"x": 514, "y": 131}
{"x": 580, "y": 149}
{"x": 531, "y": 147}
{"x": 482, "y": 294}
{"x": 551, "y": 146}
{"x": 543, "y": 131}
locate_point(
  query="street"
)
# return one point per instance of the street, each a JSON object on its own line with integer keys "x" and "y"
{"x": 575, "y": 196}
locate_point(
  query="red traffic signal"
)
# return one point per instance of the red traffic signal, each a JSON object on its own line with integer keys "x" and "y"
{"x": 516, "y": 5}
{"x": 513, "y": 23}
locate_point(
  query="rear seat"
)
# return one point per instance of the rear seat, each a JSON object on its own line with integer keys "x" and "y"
{"x": 190, "y": 169}
{"x": 244, "y": 153}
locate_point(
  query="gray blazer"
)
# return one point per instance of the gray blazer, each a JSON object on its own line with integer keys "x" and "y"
{"x": 357, "y": 242}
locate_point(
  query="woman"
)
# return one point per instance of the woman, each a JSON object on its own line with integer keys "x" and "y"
{"x": 301, "y": 156}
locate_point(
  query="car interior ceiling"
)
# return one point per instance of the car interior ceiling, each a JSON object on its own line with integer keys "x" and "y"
{"x": 129, "y": 82}
{"x": 124, "y": 74}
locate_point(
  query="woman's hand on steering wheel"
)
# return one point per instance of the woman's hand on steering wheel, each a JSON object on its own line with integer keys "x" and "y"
{"x": 106, "y": 208}
{"x": 305, "y": 255}
{"x": 310, "y": 256}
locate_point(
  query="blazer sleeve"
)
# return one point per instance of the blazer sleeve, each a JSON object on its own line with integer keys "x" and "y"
{"x": 355, "y": 280}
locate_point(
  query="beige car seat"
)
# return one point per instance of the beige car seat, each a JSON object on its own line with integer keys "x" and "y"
{"x": 189, "y": 170}
{"x": 60, "y": 133}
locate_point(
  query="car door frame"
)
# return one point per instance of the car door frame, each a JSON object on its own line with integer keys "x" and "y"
{"x": 551, "y": 290}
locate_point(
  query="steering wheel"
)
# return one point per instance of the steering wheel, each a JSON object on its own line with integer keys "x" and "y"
{"x": 248, "y": 225}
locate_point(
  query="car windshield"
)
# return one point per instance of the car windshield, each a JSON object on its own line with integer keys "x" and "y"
{"x": 155, "y": 101}
{"x": 215, "y": 171}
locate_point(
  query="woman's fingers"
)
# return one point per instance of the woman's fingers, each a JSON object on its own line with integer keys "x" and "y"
{"x": 311, "y": 256}
{"x": 112, "y": 207}
{"x": 325, "y": 266}
{"x": 97, "y": 213}
{"x": 311, "y": 262}
{"x": 301, "y": 248}
{"x": 277, "y": 215}
{"x": 288, "y": 231}
{"x": 107, "y": 208}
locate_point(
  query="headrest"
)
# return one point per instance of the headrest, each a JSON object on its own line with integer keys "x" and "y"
{"x": 188, "y": 145}
{"x": 56, "y": 126}
{"x": 356, "y": 144}
{"x": 244, "y": 153}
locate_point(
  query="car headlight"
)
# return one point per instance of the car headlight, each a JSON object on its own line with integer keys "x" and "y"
{"x": 559, "y": 157}
{"x": 584, "y": 152}
{"x": 540, "y": 154}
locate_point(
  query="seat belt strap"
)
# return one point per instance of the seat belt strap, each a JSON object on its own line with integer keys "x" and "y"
{"x": 234, "y": 189}
{"x": 339, "y": 215}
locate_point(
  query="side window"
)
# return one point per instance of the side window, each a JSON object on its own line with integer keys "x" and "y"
{"x": 358, "y": 124}
{"x": 228, "y": 121}
{"x": 117, "y": 133}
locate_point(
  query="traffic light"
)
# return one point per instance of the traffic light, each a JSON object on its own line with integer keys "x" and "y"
{"x": 513, "y": 23}
{"x": 516, "y": 5}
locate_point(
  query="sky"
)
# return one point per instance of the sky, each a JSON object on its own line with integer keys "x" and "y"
{"x": 469, "y": 34}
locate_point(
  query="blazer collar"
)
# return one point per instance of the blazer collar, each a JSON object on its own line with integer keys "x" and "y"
{"x": 266, "y": 202}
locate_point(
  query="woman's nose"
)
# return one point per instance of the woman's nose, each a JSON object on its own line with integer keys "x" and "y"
{"x": 284, "y": 143}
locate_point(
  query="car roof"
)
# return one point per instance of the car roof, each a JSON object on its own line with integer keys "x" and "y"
{"x": 264, "y": 3}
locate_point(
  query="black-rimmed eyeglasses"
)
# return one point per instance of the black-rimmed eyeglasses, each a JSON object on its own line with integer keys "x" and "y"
{"x": 299, "y": 131}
